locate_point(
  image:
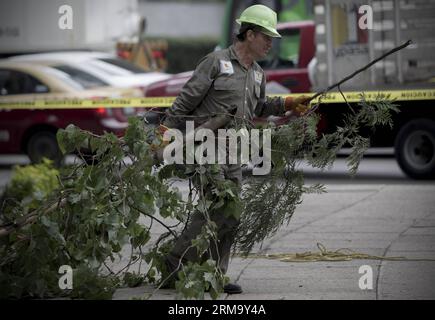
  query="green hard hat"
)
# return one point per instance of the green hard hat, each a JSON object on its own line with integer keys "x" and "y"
{"x": 262, "y": 16}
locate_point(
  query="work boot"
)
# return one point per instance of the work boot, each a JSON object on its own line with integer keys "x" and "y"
{"x": 232, "y": 288}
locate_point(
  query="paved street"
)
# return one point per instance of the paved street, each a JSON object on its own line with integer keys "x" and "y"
{"x": 379, "y": 212}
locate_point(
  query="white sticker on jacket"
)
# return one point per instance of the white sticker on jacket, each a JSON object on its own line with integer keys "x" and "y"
{"x": 226, "y": 67}
{"x": 258, "y": 76}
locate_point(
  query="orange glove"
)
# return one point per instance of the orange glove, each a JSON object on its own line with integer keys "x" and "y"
{"x": 160, "y": 130}
{"x": 298, "y": 105}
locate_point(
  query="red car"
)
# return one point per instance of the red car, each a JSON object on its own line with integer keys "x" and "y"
{"x": 33, "y": 132}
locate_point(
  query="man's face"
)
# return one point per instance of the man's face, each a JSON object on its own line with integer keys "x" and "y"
{"x": 260, "y": 44}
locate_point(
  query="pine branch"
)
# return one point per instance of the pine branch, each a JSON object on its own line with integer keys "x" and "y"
{"x": 271, "y": 202}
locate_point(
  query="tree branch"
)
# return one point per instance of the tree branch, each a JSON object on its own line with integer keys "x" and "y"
{"x": 29, "y": 218}
{"x": 407, "y": 43}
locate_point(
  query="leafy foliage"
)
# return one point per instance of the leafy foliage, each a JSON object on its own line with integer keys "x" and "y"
{"x": 270, "y": 202}
{"x": 28, "y": 187}
{"x": 87, "y": 220}
{"x": 88, "y": 216}
{"x": 196, "y": 278}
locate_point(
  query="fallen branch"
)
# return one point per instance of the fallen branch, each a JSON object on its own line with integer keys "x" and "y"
{"x": 29, "y": 218}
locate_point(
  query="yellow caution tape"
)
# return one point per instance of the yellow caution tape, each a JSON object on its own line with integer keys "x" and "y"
{"x": 152, "y": 102}
{"x": 398, "y": 95}
{"x": 160, "y": 102}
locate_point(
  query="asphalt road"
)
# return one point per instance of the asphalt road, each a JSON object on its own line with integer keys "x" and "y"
{"x": 377, "y": 167}
{"x": 379, "y": 212}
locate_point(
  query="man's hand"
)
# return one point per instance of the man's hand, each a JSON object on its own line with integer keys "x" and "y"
{"x": 160, "y": 131}
{"x": 298, "y": 106}
{"x": 158, "y": 148}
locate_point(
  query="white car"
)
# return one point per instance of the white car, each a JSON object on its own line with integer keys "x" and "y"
{"x": 105, "y": 66}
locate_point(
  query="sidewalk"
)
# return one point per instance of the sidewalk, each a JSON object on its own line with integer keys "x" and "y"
{"x": 382, "y": 220}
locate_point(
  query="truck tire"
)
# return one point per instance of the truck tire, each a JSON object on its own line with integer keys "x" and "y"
{"x": 44, "y": 144}
{"x": 415, "y": 149}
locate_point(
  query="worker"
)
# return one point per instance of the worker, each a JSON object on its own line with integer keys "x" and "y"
{"x": 228, "y": 81}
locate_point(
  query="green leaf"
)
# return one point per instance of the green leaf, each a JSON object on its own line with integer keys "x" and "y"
{"x": 132, "y": 279}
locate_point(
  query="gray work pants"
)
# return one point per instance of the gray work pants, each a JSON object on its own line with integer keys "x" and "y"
{"x": 226, "y": 227}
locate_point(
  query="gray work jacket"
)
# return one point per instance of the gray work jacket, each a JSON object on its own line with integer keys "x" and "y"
{"x": 220, "y": 84}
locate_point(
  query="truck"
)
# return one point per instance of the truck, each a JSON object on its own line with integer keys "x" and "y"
{"x": 53, "y": 26}
{"x": 344, "y": 36}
